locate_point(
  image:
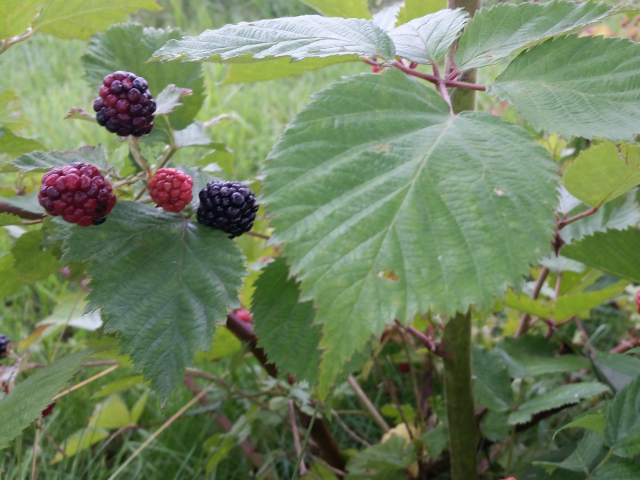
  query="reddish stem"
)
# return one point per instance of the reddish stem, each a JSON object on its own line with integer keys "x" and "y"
{"x": 586, "y": 213}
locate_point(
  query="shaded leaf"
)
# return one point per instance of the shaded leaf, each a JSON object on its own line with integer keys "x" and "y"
{"x": 79, "y": 441}
{"x": 296, "y": 37}
{"x": 96, "y": 156}
{"x": 497, "y": 32}
{"x": 585, "y": 457}
{"x": 31, "y": 261}
{"x": 340, "y": 8}
{"x": 162, "y": 282}
{"x": 25, "y": 403}
{"x": 418, "y": 8}
{"x": 587, "y": 87}
{"x": 435, "y": 440}
{"x": 353, "y": 204}
{"x": 377, "y": 459}
{"x": 492, "y": 385}
{"x": 28, "y": 203}
{"x": 622, "y": 431}
{"x": 594, "y": 423}
{"x": 563, "y": 395}
{"x": 427, "y": 39}
{"x": 13, "y": 145}
{"x": 10, "y": 279}
{"x": 224, "y": 344}
{"x": 618, "y": 470}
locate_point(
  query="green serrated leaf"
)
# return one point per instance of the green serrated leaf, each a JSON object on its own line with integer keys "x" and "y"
{"x": 39, "y": 160}
{"x": 589, "y": 450}
{"x": 614, "y": 251}
{"x": 25, "y": 403}
{"x": 16, "y": 17}
{"x": 380, "y": 226}
{"x": 10, "y": 115}
{"x": 341, "y": 8}
{"x": 111, "y": 414}
{"x": 32, "y": 262}
{"x": 79, "y": 441}
{"x": 435, "y": 440}
{"x": 569, "y": 305}
{"x": 224, "y": 345}
{"x": 295, "y": 37}
{"x": 283, "y": 325}
{"x": 499, "y": 31}
{"x": 195, "y": 135}
{"x": 561, "y": 396}
{"x": 594, "y": 423}
{"x": 80, "y": 19}
{"x": 10, "y": 279}
{"x": 576, "y": 86}
{"x": 8, "y": 219}
{"x": 277, "y": 68}
{"x": 603, "y": 172}
{"x": 13, "y": 145}
{"x": 492, "y": 385}
{"x": 170, "y": 98}
{"x": 200, "y": 179}
{"x": 418, "y": 8}
{"x": 391, "y": 455}
{"x": 618, "y": 470}
{"x": 128, "y": 47}
{"x": 28, "y": 203}
{"x": 622, "y": 431}
{"x": 162, "y": 282}
{"x": 118, "y": 385}
{"x": 427, "y": 39}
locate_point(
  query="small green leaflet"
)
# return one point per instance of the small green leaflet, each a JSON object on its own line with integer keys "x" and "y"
{"x": 492, "y": 385}
{"x": 427, "y": 39}
{"x": 96, "y": 156}
{"x": 385, "y": 212}
{"x": 614, "y": 251}
{"x": 594, "y": 423}
{"x": 391, "y": 455}
{"x": 170, "y": 98}
{"x": 418, "y": 8}
{"x": 341, "y": 8}
{"x": 586, "y": 87}
{"x": 584, "y": 457}
{"x": 603, "y": 172}
{"x": 622, "y": 431}
{"x": 499, "y": 31}
{"x": 162, "y": 282}
{"x": 283, "y": 325}
{"x": 25, "y": 403}
{"x": 563, "y": 395}
{"x": 296, "y": 37}
{"x": 10, "y": 115}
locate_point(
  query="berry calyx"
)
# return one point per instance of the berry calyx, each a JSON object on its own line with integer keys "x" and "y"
{"x": 77, "y": 192}
{"x": 227, "y": 206}
{"x": 171, "y": 188}
{"x": 125, "y": 105}
{"x": 5, "y": 346}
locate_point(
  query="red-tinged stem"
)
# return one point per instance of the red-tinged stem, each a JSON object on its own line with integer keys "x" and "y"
{"x": 586, "y": 213}
{"x": 469, "y": 86}
{"x": 524, "y": 320}
{"x": 431, "y": 344}
{"x": 626, "y": 345}
{"x": 586, "y": 336}
{"x": 296, "y": 437}
{"x": 442, "y": 88}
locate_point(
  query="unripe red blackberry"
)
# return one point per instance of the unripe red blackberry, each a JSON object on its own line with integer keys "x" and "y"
{"x": 171, "y": 188}
{"x": 227, "y": 206}
{"x": 5, "y": 346}
{"x": 125, "y": 105}
{"x": 78, "y": 192}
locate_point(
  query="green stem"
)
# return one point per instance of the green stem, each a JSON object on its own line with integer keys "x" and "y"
{"x": 306, "y": 440}
{"x": 463, "y": 435}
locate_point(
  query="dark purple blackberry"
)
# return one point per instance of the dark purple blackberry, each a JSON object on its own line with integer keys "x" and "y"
{"x": 227, "y": 206}
{"x": 5, "y": 346}
{"x": 125, "y": 105}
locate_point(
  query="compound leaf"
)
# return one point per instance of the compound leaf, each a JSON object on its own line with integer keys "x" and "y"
{"x": 622, "y": 430}
{"x": 427, "y": 39}
{"x": 39, "y": 160}
{"x": 296, "y": 37}
{"x": 69, "y": 19}
{"x": 497, "y": 32}
{"x": 162, "y": 282}
{"x": 577, "y": 86}
{"x": 563, "y": 395}
{"x": 381, "y": 226}
{"x": 25, "y": 403}
{"x": 614, "y": 251}
{"x": 340, "y": 8}
{"x": 603, "y": 172}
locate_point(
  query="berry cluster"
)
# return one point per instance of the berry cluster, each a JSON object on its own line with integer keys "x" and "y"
{"x": 227, "y": 206}
{"x": 78, "y": 192}
{"x": 5, "y": 346}
{"x": 171, "y": 188}
{"x": 125, "y": 105}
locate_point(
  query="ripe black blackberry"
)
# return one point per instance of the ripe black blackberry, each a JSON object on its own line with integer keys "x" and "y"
{"x": 227, "y": 206}
{"x": 5, "y": 346}
{"x": 125, "y": 105}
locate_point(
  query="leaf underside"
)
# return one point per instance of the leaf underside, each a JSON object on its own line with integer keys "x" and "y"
{"x": 388, "y": 207}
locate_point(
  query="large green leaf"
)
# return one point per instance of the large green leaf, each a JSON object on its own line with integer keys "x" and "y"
{"x": 39, "y": 160}
{"x": 427, "y": 39}
{"x": 618, "y": 470}
{"x": 584, "y": 457}
{"x": 388, "y": 207}
{"x": 492, "y": 385}
{"x": 162, "y": 282}
{"x": 295, "y": 37}
{"x": 587, "y": 87}
{"x": 418, "y": 8}
{"x": 603, "y": 173}
{"x": 341, "y": 8}
{"x": 16, "y": 16}
{"x": 285, "y": 326}
{"x": 32, "y": 262}
{"x": 614, "y": 251}
{"x": 10, "y": 115}
{"x": 128, "y": 47}
{"x": 25, "y": 402}
{"x": 622, "y": 431}
{"x": 13, "y": 145}
{"x": 594, "y": 423}
{"x": 81, "y": 18}
{"x": 564, "y": 395}
{"x": 497, "y": 32}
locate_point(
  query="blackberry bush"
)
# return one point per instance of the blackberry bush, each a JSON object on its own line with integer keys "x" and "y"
{"x": 227, "y": 206}
{"x": 171, "y": 188}
{"x": 125, "y": 105}
{"x": 78, "y": 192}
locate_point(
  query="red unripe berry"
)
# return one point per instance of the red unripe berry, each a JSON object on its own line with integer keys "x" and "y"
{"x": 638, "y": 300}
{"x": 376, "y": 69}
{"x": 171, "y": 189}
{"x": 244, "y": 315}
{"x": 404, "y": 367}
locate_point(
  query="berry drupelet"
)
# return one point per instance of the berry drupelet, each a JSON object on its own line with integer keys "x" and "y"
{"x": 5, "y": 346}
{"x": 125, "y": 105}
{"x": 171, "y": 188}
{"x": 78, "y": 192}
{"x": 227, "y": 206}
